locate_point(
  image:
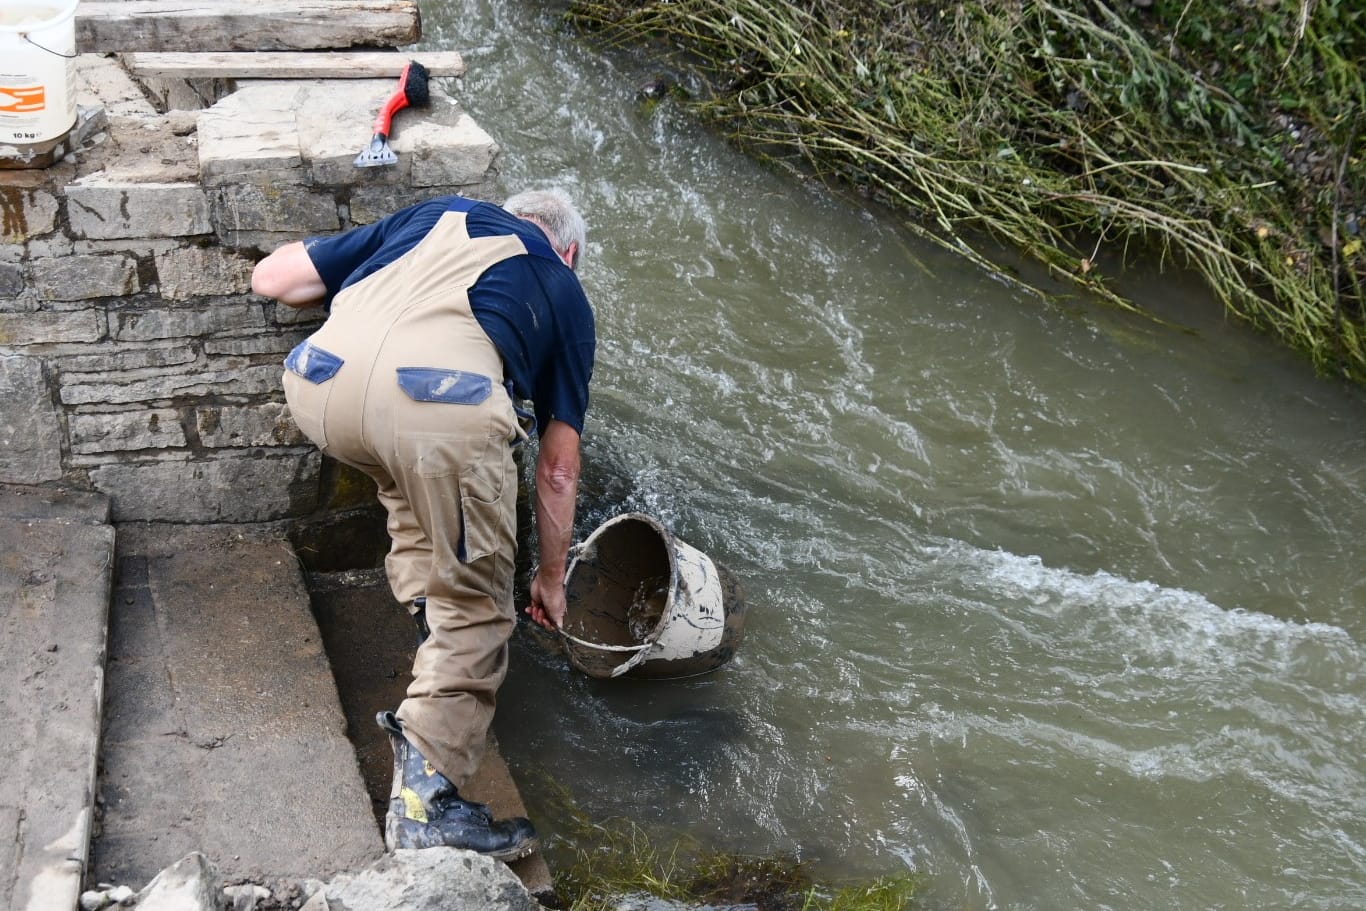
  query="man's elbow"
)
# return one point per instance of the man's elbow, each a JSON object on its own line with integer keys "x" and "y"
{"x": 557, "y": 466}
{"x": 261, "y": 282}
{"x": 288, "y": 276}
{"x": 269, "y": 280}
{"x": 559, "y": 475}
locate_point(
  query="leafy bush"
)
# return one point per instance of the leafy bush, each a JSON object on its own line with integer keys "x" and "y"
{"x": 1224, "y": 136}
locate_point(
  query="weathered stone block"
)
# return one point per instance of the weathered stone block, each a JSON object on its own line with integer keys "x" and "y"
{"x": 261, "y": 240}
{"x": 335, "y": 122}
{"x": 371, "y": 203}
{"x": 437, "y": 878}
{"x": 141, "y": 325}
{"x": 247, "y": 425}
{"x": 78, "y": 278}
{"x": 111, "y": 358}
{"x": 251, "y": 487}
{"x": 99, "y": 208}
{"x": 243, "y": 207}
{"x": 141, "y": 247}
{"x": 30, "y": 429}
{"x": 24, "y": 304}
{"x": 104, "y": 81}
{"x": 246, "y": 381}
{"x": 175, "y": 94}
{"x": 126, "y": 430}
{"x": 11, "y": 280}
{"x": 285, "y": 315}
{"x": 53, "y": 246}
{"x": 250, "y": 134}
{"x": 451, "y": 156}
{"x": 344, "y": 487}
{"x": 28, "y": 213}
{"x": 280, "y": 343}
{"x": 49, "y": 327}
{"x": 195, "y": 271}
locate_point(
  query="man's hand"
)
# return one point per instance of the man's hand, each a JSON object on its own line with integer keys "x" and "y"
{"x": 547, "y": 605}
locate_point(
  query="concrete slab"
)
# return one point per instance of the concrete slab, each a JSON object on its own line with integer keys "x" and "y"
{"x": 56, "y": 553}
{"x": 223, "y": 732}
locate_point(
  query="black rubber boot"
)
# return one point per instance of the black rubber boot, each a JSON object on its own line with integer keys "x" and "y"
{"x": 426, "y": 812}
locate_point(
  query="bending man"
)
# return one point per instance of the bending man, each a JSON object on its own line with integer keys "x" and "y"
{"x": 441, "y": 315}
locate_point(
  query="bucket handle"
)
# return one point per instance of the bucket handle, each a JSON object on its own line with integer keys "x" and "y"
{"x": 606, "y": 648}
{"x": 48, "y": 49}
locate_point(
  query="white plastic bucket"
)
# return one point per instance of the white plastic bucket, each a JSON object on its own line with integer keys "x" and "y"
{"x": 643, "y": 603}
{"x": 37, "y": 70}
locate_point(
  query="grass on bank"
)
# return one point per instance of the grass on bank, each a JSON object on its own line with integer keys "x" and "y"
{"x": 1220, "y": 135}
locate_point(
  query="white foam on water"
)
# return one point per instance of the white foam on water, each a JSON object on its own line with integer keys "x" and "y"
{"x": 1172, "y": 626}
{"x": 1160, "y": 682}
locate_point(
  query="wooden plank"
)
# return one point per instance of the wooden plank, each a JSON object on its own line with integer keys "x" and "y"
{"x": 113, "y": 26}
{"x": 290, "y": 65}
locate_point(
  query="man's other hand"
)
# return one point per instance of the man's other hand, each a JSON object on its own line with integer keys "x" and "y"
{"x": 547, "y": 605}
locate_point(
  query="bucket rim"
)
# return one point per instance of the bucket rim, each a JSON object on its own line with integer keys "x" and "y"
{"x": 576, "y": 552}
{"x": 641, "y": 651}
{"x": 63, "y": 11}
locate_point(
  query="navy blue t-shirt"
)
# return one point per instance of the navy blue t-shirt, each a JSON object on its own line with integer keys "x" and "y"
{"x": 531, "y": 307}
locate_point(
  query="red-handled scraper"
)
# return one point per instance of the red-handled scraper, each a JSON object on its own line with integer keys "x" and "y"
{"x": 412, "y": 91}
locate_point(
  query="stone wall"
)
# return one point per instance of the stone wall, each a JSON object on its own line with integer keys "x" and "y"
{"x": 134, "y": 359}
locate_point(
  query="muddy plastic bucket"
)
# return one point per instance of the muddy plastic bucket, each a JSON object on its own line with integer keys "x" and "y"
{"x": 37, "y": 70}
{"x": 642, "y": 603}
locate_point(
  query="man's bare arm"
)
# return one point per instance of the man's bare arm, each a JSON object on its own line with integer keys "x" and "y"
{"x": 557, "y": 486}
{"x": 289, "y": 276}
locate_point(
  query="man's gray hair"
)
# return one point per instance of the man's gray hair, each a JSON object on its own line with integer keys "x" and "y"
{"x": 552, "y": 210}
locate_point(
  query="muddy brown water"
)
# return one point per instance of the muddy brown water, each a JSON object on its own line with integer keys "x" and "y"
{"x": 1057, "y": 606}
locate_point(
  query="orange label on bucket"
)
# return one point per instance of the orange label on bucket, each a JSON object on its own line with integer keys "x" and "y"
{"x": 22, "y": 101}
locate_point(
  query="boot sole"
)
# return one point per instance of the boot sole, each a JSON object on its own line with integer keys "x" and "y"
{"x": 517, "y": 852}
{"x": 506, "y": 855}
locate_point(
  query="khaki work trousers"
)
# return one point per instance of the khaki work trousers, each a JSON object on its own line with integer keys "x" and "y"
{"x": 402, "y": 383}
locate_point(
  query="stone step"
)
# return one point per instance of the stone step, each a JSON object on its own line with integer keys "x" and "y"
{"x": 314, "y": 129}
{"x": 228, "y": 732}
{"x": 223, "y": 732}
{"x": 56, "y": 554}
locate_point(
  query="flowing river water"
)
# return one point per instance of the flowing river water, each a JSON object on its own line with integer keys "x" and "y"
{"x": 1057, "y": 606}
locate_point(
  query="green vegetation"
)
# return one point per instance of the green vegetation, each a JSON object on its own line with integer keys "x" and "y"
{"x": 1220, "y": 135}
{"x": 617, "y": 860}
{"x": 598, "y": 864}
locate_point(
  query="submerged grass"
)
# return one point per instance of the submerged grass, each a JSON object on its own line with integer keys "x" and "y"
{"x": 623, "y": 863}
{"x": 617, "y": 860}
{"x": 1222, "y": 136}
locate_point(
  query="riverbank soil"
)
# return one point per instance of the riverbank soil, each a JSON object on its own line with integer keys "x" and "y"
{"x": 1226, "y": 138}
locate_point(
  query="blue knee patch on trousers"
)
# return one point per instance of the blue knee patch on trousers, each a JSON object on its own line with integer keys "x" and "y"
{"x": 453, "y": 387}
{"x": 313, "y": 363}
